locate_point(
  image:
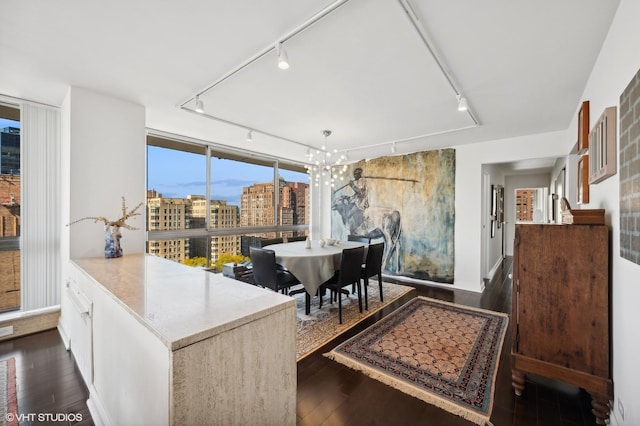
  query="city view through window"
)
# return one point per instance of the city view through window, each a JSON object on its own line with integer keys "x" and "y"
{"x": 246, "y": 204}
{"x": 9, "y": 214}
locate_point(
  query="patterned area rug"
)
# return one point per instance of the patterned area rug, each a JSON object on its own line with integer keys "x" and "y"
{"x": 8, "y": 396}
{"x": 321, "y": 325}
{"x": 442, "y": 353}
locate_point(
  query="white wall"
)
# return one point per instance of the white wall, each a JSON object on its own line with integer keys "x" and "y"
{"x": 618, "y": 62}
{"x": 107, "y": 144}
{"x": 511, "y": 184}
{"x": 469, "y": 161}
{"x": 492, "y": 250}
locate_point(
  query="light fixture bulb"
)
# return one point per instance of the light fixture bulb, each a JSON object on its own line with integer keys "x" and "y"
{"x": 199, "y": 105}
{"x": 462, "y": 103}
{"x": 283, "y": 59}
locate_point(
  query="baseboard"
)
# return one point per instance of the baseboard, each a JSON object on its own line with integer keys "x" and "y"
{"x": 65, "y": 338}
{"x": 494, "y": 269}
{"x": 96, "y": 408}
{"x": 30, "y": 322}
{"x": 613, "y": 417}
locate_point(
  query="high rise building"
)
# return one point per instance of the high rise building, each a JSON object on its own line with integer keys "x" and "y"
{"x": 190, "y": 213}
{"x": 223, "y": 215}
{"x": 10, "y": 151}
{"x": 257, "y": 204}
{"x": 165, "y": 214}
{"x": 9, "y": 247}
{"x": 525, "y": 203}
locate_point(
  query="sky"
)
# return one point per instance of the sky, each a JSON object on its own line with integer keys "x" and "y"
{"x": 176, "y": 174}
{"x": 6, "y": 123}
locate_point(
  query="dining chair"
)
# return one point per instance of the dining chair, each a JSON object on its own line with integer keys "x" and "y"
{"x": 358, "y": 238}
{"x": 371, "y": 267}
{"x": 350, "y": 273}
{"x": 266, "y": 272}
{"x": 298, "y": 238}
{"x": 267, "y": 241}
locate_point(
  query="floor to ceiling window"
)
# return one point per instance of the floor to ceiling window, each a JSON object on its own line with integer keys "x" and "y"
{"x": 9, "y": 208}
{"x": 205, "y": 206}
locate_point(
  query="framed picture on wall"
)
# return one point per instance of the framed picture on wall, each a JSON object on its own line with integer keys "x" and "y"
{"x": 560, "y": 192}
{"x": 494, "y": 201}
{"x": 583, "y": 128}
{"x": 500, "y": 205}
{"x": 583, "y": 180}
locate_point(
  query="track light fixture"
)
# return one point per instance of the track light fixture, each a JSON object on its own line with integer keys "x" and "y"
{"x": 199, "y": 105}
{"x": 393, "y": 148}
{"x": 283, "y": 59}
{"x": 462, "y": 103}
{"x": 250, "y": 135}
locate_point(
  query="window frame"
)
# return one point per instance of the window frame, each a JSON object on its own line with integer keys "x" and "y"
{"x": 210, "y": 151}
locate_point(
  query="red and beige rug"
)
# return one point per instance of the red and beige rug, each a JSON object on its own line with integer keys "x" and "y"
{"x": 8, "y": 396}
{"x": 443, "y": 353}
{"x": 321, "y": 325}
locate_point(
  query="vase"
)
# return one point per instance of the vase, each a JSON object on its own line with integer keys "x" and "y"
{"x": 112, "y": 247}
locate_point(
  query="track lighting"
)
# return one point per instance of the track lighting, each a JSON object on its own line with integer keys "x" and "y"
{"x": 283, "y": 60}
{"x": 250, "y": 136}
{"x": 393, "y": 148}
{"x": 462, "y": 103}
{"x": 199, "y": 105}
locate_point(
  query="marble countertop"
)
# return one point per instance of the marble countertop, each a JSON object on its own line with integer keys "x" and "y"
{"x": 180, "y": 304}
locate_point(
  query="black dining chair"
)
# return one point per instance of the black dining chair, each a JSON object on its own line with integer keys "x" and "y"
{"x": 371, "y": 267}
{"x": 350, "y": 273}
{"x": 267, "y": 241}
{"x": 359, "y": 238}
{"x": 267, "y": 274}
{"x": 297, "y": 238}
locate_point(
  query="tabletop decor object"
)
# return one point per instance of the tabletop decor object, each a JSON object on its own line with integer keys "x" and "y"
{"x": 442, "y": 353}
{"x": 112, "y": 235}
{"x": 307, "y": 243}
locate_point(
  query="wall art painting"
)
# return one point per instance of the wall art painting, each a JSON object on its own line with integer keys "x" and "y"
{"x": 629, "y": 157}
{"x": 408, "y": 202}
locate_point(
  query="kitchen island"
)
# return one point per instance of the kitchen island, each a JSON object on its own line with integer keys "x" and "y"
{"x": 158, "y": 342}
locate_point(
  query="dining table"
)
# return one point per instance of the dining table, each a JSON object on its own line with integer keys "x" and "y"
{"x": 315, "y": 265}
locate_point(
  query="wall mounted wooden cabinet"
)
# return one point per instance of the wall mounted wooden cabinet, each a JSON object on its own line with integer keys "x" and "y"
{"x": 583, "y": 128}
{"x": 602, "y": 147}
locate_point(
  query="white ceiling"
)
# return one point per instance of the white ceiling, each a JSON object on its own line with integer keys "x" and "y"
{"x": 361, "y": 71}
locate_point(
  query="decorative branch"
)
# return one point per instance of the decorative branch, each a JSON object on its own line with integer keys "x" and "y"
{"x": 120, "y": 223}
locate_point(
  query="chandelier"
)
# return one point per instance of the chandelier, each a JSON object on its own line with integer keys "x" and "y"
{"x": 322, "y": 164}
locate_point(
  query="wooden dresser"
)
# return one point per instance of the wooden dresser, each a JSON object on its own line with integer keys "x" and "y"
{"x": 561, "y": 308}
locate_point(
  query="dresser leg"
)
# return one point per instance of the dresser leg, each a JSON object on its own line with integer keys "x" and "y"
{"x": 600, "y": 408}
{"x": 517, "y": 381}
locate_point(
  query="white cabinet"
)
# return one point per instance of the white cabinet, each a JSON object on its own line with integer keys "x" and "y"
{"x": 177, "y": 345}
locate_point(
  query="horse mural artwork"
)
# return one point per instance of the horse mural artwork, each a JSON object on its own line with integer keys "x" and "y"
{"x": 409, "y": 202}
{"x": 374, "y": 223}
{"x": 361, "y": 219}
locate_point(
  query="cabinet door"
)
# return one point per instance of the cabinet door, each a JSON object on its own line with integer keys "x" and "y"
{"x": 562, "y": 312}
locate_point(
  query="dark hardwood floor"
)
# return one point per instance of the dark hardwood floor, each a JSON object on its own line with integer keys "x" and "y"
{"x": 332, "y": 394}
{"x": 49, "y": 386}
{"x": 328, "y": 393}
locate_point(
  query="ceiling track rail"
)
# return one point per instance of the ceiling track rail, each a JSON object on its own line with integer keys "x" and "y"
{"x": 426, "y": 40}
{"x": 309, "y": 22}
{"x": 415, "y": 22}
